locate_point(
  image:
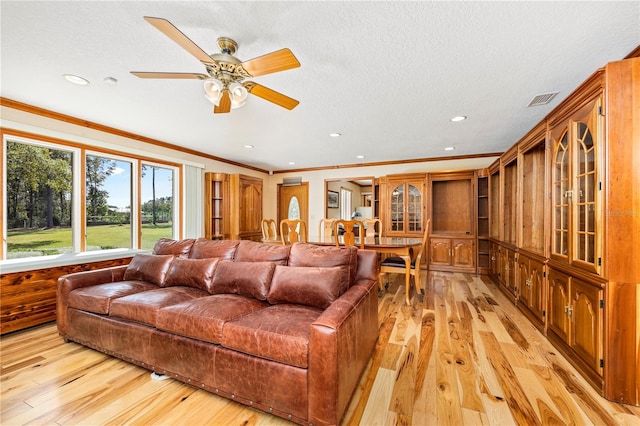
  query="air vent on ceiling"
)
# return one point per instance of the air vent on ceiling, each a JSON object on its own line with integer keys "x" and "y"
{"x": 542, "y": 99}
{"x": 291, "y": 181}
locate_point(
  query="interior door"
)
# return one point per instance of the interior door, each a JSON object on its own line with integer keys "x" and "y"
{"x": 293, "y": 203}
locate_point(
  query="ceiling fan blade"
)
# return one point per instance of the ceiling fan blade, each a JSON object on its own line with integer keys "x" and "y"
{"x": 176, "y": 75}
{"x": 224, "y": 105}
{"x": 279, "y": 60}
{"x": 178, "y": 36}
{"x": 271, "y": 95}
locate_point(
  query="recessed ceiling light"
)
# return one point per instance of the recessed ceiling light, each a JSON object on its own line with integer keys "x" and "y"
{"x": 248, "y": 146}
{"x": 450, "y": 148}
{"x": 76, "y": 79}
{"x": 459, "y": 118}
{"x": 335, "y": 135}
{"x": 360, "y": 156}
{"x": 292, "y": 163}
{"x": 110, "y": 81}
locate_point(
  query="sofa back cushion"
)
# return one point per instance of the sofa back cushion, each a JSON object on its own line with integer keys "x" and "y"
{"x": 310, "y": 286}
{"x": 251, "y": 279}
{"x": 178, "y": 248}
{"x": 252, "y": 251}
{"x": 197, "y": 273}
{"x": 325, "y": 257}
{"x": 152, "y": 268}
{"x": 223, "y": 249}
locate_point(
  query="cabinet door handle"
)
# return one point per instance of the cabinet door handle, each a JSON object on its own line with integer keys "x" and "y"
{"x": 528, "y": 282}
{"x": 567, "y": 194}
{"x": 569, "y": 310}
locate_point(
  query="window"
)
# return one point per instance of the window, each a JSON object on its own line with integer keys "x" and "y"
{"x": 345, "y": 203}
{"x": 108, "y": 203}
{"x": 157, "y": 204}
{"x": 128, "y": 202}
{"x": 38, "y": 200}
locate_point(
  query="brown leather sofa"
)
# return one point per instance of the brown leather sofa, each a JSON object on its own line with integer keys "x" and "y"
{"x": 284, "y": 329}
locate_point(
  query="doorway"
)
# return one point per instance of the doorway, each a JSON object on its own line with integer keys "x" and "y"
{"x": 293, "y": 202}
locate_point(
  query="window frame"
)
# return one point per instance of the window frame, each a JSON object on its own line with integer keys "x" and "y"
{"x": 78, "y": 191}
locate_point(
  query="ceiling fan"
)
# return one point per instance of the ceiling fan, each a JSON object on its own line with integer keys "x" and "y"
{"x": 224, "y": 83}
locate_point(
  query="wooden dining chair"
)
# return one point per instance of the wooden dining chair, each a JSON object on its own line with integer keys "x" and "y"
{"x": 269, "y": 230}
{"x": 349, "y": 236}
{"x": 374, "y": 227}
{"x": 326, "y": 229}
{"x": 293, "y": 230}
{"x": 396, "y": 265}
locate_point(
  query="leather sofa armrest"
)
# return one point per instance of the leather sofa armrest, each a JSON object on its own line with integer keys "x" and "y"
{"x": 340, "y": 345}
{"x": 69, "y": 282}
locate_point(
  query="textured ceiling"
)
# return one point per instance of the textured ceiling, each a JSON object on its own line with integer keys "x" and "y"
{"x": 387, "y": 75}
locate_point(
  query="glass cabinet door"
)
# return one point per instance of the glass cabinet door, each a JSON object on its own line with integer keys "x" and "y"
{"x": 405, "y": 202}
{"x": 585, "y": 201}
{"x": 575, "y": 193}
{"x": 561, "y": 194}
{"x": 414, "y": 209}
{"x": 397, "y": 208}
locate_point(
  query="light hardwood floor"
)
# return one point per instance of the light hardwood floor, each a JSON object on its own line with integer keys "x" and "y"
{"x": 464, "y": 355}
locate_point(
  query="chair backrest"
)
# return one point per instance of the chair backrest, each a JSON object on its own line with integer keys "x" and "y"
{"x": 349, "y": 236}
{"x": 326, "y": 229}
{"x": 371, "y": 230}
{"x": 293, "y": 230}
{"x": 269, "y": 229}
{"x": 425, "y": 242}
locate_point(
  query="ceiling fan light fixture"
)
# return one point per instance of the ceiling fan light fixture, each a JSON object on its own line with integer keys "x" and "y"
{"x": 213, "y": 91}
{"x": 238, "y": 93}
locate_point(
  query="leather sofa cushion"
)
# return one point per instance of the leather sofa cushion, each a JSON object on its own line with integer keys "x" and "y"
{"x": 310, "y": 286}
{"x": 143, "y": 307}
{"x": 204, "y": 318}
{"x": 196, "y": 273}
{"x": 204, "y": 247}
{"x": 303, "y": 254}
{"x": 279, "y": 333}
{"x": 251, "y": 279}
{"x": 97, "y": 298}
{"x": 178, "y": 248}
{"x": 149, "y": 267}
{"x": 252, "y": 251}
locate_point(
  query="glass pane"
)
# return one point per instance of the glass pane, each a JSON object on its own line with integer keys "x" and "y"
{"x": 397, "y": 208}
{"x": 294, "y": 208}
{"x": 560, "y": 200}
{"x": 415, "y": 210}
{"x": 591, "y": 219}
{"x": 591, "y": 248}
{"x": 38, "y": 200}
{"x": 581, "y": 218}
{"x": 157, "y": 204}
{"x": 108, "y": 203}
{"x": 582, "y": 241}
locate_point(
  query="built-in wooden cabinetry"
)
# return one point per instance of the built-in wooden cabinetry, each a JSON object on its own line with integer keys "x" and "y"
{"x": 482, "y": 217}
{"x": 216, "y": 188}
{"x": 452, "y": 209}
{"x": 233, "y": 206}
{"x": 564, "y": 226}
{"x": 401, "y": 204}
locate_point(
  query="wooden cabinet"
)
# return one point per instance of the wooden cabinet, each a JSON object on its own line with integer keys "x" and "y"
{"x": 576, "y": 312}
{"x": 451, "y": 254}
{"x": 246, "y": 201}
{"x": 216, "y": 188}
{"x": 482, "y": 227}
{"x": 530, "y": 284}
{"x": 233, "y": 207}
{"x": 576, "y": 186}
{"x": 453, "y": 219}
{"x": 402, "y": 208}
{"x": 532, "y": 183}
{"x": 576, "y": 182}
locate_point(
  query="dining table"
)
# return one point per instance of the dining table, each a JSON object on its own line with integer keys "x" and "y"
{"x": 403, "y": 247}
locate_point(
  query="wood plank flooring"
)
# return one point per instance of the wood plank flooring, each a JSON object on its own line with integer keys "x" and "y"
{"x": 463, "y": 356}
